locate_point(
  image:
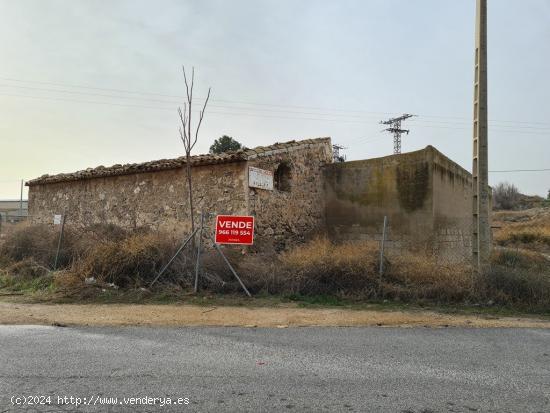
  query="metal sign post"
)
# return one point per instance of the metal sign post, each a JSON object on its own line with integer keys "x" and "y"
{"x": 197, "y": 266}
{"x": 231, "y": 268}
{"x": 60, "y": 242}
{"x": 382, "y": 242}
{"x": 180, "y": 249}
{"x": 229, "y": 230}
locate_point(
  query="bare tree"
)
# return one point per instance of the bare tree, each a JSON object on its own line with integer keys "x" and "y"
{"x": 506, "y": 196}
{"x": 187, "y": 137}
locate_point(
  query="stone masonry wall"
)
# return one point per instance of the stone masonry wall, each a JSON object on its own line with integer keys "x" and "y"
{"x": 158, "y": 199}
{"x": 153, "y": 199}
{"x": 289, "y": 215}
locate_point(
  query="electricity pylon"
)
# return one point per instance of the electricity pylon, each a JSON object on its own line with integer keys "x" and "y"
{"x": 395, "y": 128}
{"x": 336, "y": 153}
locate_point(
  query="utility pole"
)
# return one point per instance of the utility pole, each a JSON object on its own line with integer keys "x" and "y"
{"x": 336, "y": 153}
{"x": 481, "y": 229}
{"x": 21, "y": 202}
{"x": 395, "y": 128}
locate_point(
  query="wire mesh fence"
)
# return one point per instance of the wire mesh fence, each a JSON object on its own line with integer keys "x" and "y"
{"x": 446, "y": 245}
{"x": 117, "y": 256}
{"x": 144, "y": 257}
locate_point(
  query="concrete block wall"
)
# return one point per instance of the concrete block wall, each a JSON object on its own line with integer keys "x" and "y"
{"x": 425, "y": 195}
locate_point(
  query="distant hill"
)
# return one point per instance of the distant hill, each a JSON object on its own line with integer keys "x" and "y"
{"x": 527, "y": 229}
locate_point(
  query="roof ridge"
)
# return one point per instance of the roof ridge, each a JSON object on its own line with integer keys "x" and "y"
{"x": 170, "y": 163}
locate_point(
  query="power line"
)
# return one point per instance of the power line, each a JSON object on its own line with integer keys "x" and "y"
{"x": 178, "y": 103}
{"x": 162, "y": 108}
{"x": 520, "y": 170}
{"x": 364, "y": 140}
{"x": 286, "y": 106}
{"x": 469, "y": 123}
{"x": 172, "y": 109}
{"x": 182, "y": 96}
{"x": 492, "y": 128}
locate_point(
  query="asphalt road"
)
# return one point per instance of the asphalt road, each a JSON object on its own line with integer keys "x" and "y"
{"x": 283, "y": 370}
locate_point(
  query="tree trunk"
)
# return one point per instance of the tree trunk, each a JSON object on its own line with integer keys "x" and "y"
{"x": 190, "y": 189}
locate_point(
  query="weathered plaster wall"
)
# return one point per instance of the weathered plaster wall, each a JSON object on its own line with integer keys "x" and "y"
{"x": 284, "y": 217}
{"x": 452, "y": 206}
{"x": 361, "y": 193}
{"x": 154, "y": 199}
{"x": 426, "y": 197}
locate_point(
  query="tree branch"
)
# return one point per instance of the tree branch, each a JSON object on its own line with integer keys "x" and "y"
{"x": 186, "y": 84}
{"x": 192, "y": 83}
{"x": 200, "y": 118}
{"x": 183, "y": 129}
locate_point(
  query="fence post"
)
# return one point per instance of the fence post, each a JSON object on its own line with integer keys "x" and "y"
{"x": 60, "y": 240}
{"x": 197, "y": 266}
{"x": 382, "y": 242}
{"x": 21, "y": 202}
{"x": 230, "y": 267}
{"x": 182, "y": 246}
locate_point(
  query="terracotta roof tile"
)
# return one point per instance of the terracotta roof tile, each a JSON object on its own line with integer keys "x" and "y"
{"x": 175, "y": 163}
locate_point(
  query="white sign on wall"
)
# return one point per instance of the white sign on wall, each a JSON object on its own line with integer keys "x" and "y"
{"x": 57, "y": 219}
{"x": 260, "y": 178}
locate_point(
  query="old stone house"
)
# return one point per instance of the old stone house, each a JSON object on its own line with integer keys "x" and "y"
{"x": 154, "y": 194}
{"x": 425, "y": 195}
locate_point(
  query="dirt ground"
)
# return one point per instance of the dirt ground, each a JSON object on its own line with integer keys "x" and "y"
{"x": 191, "y": 315}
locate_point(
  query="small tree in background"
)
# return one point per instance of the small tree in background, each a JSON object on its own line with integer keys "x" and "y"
{"x": 225, "y": 144}
{"x": 506, "y": 196}
{"x": 187, "y": 136}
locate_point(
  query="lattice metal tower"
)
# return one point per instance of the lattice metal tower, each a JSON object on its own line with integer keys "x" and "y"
{"x": 395, "y": 128}
{"x": 336, "y": 153}
{"x": 481, "y": 229}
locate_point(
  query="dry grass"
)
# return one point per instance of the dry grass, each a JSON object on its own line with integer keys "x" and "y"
{"x": 132, "y": 260}
{"x": 528, "y": 229}
{"x": 524, "y": 234}
{"x": 518, "y": 277}
{"x": 27, "y": 268}
{"x": 352, "y": 270}
{"x": 321, "y": 267}
{"x": 415, "y": 276}
{"x": 36, "y": 242}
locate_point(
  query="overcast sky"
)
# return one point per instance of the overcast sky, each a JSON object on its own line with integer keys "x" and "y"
{"x": 279, "y": 70}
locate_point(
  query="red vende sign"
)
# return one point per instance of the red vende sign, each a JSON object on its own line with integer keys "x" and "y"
{"x": 233, "y": 229}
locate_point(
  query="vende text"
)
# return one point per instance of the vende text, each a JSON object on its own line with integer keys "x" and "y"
{"x": 233, "y": 229}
